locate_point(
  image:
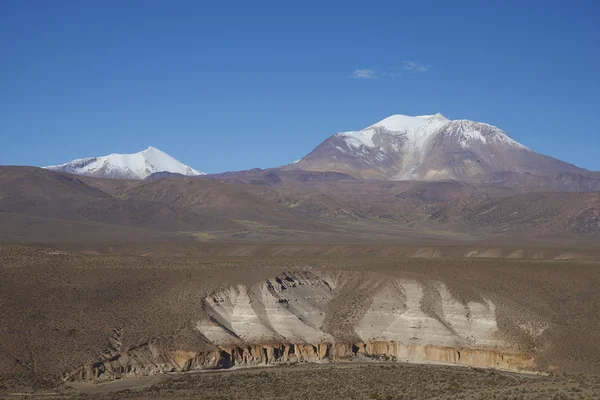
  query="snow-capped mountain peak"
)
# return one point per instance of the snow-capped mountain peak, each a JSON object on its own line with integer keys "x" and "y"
{"x": 403, "y": 130}
{"x": 404, "y": 123}
{"x": 127, "y": 166}
{"x": 429, "y": 147}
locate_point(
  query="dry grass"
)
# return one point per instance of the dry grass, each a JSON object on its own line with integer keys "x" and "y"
{"x": 61, "y": 309}
{"x": 375, "y": 382}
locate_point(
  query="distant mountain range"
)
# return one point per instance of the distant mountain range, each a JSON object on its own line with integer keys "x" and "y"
{"x": 401, "y": 179}
{"x": 397, "y": 148}
{"x": 126, "y": 166}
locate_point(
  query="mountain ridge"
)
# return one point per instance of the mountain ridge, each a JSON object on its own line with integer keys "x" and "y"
{"x": 126, "y": 166}
{"x": 397, "y": 148}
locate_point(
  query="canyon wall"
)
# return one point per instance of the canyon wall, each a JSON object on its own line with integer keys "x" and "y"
{"x": 310, "y": 317}
{"x": 147, "y": 361}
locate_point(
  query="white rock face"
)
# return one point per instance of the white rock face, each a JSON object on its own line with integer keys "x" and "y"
{"x": 397, "y": 314}
{"x": 283, "y": 310}
{"x": 292, "y": 309}
{"x": 126, "y": 166}
{"x": 290, "y": 318}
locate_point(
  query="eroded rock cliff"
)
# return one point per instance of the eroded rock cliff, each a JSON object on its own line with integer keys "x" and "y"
{"x": 310, "y": 317}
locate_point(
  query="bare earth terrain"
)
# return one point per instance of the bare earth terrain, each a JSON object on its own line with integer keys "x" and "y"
{"x": 75, "y": 315}
{"x": 292, "y": 284}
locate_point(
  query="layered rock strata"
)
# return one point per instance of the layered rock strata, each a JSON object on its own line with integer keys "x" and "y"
{"x": 305, "y": 317}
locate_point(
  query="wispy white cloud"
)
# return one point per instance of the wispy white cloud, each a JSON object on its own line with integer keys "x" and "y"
{"x": 364, "y": 73}
{"x": 390, "y": 72}
{"x": 415, "y": 66}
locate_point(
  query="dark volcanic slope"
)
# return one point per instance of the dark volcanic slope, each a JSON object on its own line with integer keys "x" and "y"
{"x": 24, "y": 189}
{"x": 484, "y": 209}
{"x": 552, "y": 212}
{"x": 283, "y": 206}
{"x": 50, "y": 202}
{"x": 38, "y": 202}
{"x": 564, "y": 182}
{"x": 278, "y": 176}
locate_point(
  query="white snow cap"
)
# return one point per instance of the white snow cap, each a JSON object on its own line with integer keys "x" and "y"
{"x": 401, "y": 123}
{"x": 420, "y": 129}
{"x": 417, "y": 129}
{"x": 133, "y": 166}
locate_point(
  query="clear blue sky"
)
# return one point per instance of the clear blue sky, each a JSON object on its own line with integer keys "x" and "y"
{"x": 224, "y": 85}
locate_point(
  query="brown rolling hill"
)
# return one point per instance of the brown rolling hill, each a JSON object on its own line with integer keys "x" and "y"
{"x": 272, "y": 206}
{"x": 48, "y": 197}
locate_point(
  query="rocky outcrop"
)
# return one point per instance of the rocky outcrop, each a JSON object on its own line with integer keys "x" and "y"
{"x": 148, "y": 360}
{"x": 305, "y": 317}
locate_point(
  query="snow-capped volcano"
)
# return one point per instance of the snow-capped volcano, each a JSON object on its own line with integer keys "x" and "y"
{"x": 126, "y": 166}
{"x": 427, "y": 147}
